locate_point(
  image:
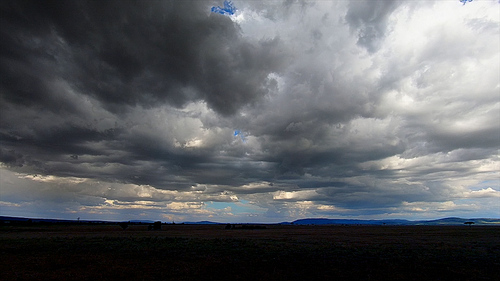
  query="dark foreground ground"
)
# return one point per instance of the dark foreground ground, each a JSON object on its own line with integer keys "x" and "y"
{"x": 209, "y": 252}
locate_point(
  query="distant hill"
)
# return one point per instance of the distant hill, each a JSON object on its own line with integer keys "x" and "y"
{"x": 141, "y": 221}
{"x": 201, "y": 222}
{"x": 444, "y": 221}
{"x": 459, "y": 221}
{"x": 324, "y": 221}
{"x": 351, "y": 222}
{"x": 309, "y": 221}
{"x": 5, "y": 219}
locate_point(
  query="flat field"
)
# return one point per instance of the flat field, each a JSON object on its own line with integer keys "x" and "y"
{"x": 279, "y": 252}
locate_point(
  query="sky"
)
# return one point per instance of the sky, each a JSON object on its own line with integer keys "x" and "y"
{"x": 266, "y": 111}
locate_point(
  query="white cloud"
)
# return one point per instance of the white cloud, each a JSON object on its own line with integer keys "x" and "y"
{"x": 483, "y": 193}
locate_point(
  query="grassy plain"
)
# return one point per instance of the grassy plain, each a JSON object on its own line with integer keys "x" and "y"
{"x": 280, "y": 252}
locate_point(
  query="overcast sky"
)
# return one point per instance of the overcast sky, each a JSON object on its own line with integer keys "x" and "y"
{"x": 164, "y": 110}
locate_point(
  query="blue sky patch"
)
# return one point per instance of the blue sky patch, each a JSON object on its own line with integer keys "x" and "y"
{"x": 229, "y": 9}
{"x": 240, "y": 134}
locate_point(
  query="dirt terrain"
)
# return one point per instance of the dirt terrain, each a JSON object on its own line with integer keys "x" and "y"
{"x": 279, "y": 252}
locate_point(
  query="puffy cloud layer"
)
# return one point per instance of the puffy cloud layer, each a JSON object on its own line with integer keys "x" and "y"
{"x": 128, "y": 109}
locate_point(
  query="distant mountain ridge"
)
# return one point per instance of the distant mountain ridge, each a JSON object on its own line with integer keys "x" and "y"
{"x": 307, "y": 221}
{"x": 318, "y": 221}
{"x": 201, "y": 222}
{"x": 38, "y": 220}
{"x": 443, "y": 221}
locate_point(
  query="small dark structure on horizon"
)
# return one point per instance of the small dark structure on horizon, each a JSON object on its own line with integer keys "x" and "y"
{"x": 155, "y": 226}
{"x": 469, "y": 223}
{"x": 124, "y": 225}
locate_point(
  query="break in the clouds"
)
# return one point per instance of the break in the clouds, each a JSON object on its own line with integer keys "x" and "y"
{"x": 228, "y": 9}
{"x": 272, "y": 111}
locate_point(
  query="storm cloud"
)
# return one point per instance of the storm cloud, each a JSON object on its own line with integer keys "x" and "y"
{"x": 128, "y": 109}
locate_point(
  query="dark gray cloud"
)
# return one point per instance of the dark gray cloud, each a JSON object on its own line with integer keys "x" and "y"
{"x": 133, "y": 53}
{"x": 343, "y": 109}
{"x": 368, "y": 19}
{"x": 123, "y": 54}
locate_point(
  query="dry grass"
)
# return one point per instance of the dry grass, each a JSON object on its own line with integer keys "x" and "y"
{"x": 208, "y": 252}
